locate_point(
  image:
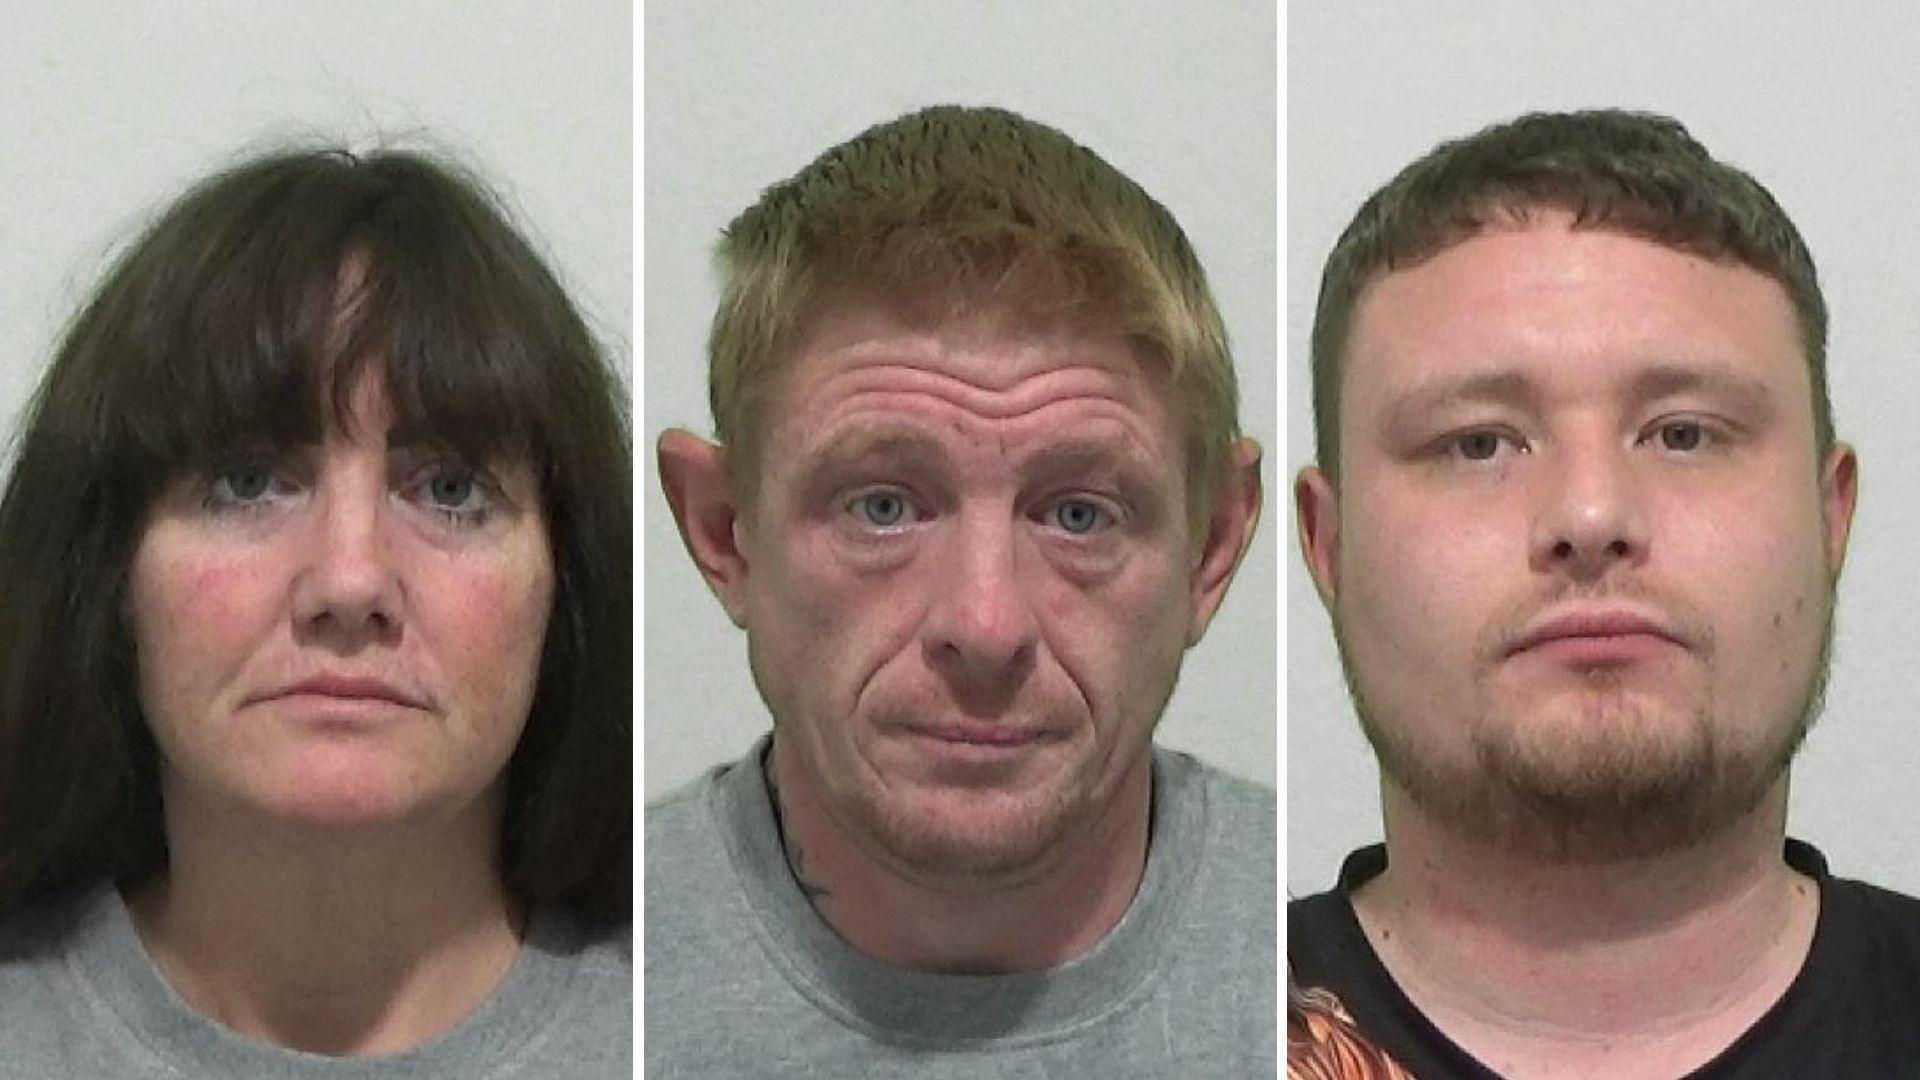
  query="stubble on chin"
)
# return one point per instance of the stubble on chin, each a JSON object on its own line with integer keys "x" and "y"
{"x": 960, "y": 833}
{"x": 1625, "y": 776}
{"x": 959, "y": 838}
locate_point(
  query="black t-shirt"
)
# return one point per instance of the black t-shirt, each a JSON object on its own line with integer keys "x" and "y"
{"x": 1853, "y": 1011}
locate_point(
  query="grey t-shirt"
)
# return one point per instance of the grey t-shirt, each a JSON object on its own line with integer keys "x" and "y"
{"x": 80, "y": 998}
{"x": 744, "y": 979}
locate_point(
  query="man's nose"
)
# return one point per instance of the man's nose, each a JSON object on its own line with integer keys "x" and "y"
{"x": 1591, "y": 514}
{"x": 348, "y": 592}
{"x": 981, "y": 629}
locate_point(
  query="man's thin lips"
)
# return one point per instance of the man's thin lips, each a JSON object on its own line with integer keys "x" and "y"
{"x": 1595, "y": 625}
{"x": 979, "y": 734}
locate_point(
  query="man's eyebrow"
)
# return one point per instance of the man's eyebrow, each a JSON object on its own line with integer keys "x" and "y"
{"x": 1490, "y": 387}
{"x": 856, "y": 443}
{"x": 905, "y": 443}
{"x": 1082, "y": 451}
{"x": 1665, "y": 380}
{"x": 1647, "y": 384}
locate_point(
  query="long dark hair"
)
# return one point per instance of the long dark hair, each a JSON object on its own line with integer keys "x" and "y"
{"x": 222, "y": 326}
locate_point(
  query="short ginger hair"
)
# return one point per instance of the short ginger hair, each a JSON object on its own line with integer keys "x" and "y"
{"x": 965, "y": 213}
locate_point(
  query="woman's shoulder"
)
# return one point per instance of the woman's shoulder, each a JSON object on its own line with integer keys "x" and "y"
{"x": 43, "y": 927}
{"x": 44, "y": 1012}
{"x": 592, "y": 947}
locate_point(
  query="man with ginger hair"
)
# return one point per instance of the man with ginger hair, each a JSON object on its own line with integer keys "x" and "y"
{"x": 1578, "y": 515}
{"x": 977, "y": 486}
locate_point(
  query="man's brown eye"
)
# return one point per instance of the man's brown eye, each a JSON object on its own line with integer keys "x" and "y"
{"x": 1479, "y": 445}
{"x": 1682, "y": 435}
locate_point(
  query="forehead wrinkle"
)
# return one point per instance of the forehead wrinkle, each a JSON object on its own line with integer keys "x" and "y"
{"x": 1000, "y": 399}
{"x": 876, "y": 421}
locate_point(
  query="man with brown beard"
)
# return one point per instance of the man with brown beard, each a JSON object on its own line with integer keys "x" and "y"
{"x": 1578, "y": 513}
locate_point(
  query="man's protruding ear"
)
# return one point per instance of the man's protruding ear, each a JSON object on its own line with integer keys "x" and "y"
{"x": 700, "y": 488}
{"x": 1316, "y": 507}
{"x": 1839, "y": 494}
{"x": 1229, "y": 532}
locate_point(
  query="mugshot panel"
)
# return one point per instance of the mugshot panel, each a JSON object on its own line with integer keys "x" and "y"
{"x": 328, "y": 624}
{"x": 735, "y": 102}
{"x": 1810, "y": 104}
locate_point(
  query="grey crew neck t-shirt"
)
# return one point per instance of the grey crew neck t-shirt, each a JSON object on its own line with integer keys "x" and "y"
{"x": 80, "y": 998}
{"x": 743, "y": 978}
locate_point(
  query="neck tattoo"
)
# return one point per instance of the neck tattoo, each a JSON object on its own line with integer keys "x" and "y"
{"x": 789, "y": 847}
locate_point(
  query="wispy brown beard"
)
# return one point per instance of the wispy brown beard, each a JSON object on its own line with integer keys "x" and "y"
{"x": 1611, "y": 803}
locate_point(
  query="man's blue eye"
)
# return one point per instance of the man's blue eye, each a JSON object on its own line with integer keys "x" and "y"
{"x": 882, "y": 508}
{"x": 1077, "y": 516}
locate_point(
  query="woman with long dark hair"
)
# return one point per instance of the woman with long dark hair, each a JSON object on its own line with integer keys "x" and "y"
{"x": 315, "y": 650}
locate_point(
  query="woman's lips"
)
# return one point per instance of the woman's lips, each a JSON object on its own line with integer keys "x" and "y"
{"x": 343, "y": 701}
{"x": 348, "y": 688}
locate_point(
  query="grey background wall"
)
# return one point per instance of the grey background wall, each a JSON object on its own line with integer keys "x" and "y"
{"x": 1822, "y": 104}
{"x": 740, "y": 95}
{"x": 112, "y": 109}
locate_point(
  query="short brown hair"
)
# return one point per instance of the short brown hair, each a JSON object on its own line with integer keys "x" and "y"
{"x": 1633, "y": 172}
{"x": 220, "y": 328}
{"x": 977, "y": 211}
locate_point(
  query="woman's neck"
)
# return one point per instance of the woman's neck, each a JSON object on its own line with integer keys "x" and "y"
{"x": 362, "y": 944}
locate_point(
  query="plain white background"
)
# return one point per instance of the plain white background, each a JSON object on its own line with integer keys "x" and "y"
{"x": 112, "y": 109}
{"x": 741, "y": 95}
{"x": 1819, "y": 103}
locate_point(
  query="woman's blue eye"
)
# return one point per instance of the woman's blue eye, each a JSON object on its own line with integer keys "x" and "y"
{"x": 244, "y": 485}
{"x": 882, "y": 508}
{"x": 451, "y": 489}
{"x": 241, "y": 484}
{"x": 462, "y": 495}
